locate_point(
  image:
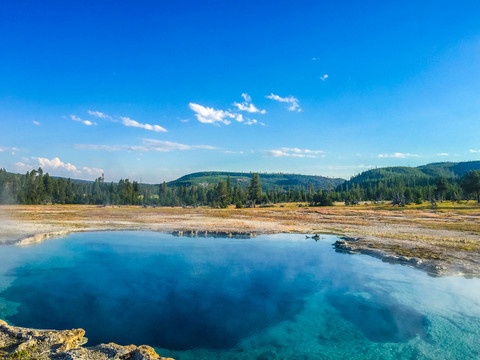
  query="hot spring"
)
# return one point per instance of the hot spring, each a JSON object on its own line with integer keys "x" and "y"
{"x": 273, "y": 296}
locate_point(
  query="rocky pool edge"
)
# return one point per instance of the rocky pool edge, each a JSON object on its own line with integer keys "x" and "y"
{"x": 25, "y": 343}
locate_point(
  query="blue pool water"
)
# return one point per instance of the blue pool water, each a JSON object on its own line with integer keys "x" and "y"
{"x": 270, "y": 297}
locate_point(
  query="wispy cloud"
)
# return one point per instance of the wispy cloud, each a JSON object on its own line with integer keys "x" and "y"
{"x": 349, "y": 167}
{"x": 251, "y": 122}
{"x": 164, "y": 146}
{"x": 11, "y": 150}
{"x": 22, "y": 167}
{"x": 474, "y": 151}
{"x": 98, "y": 114}
{"x": 248, "y": 106}
{"x": 208, "y": 115}
{"x": 398, "y": 155}
{"x": 84, "y": 122}
{"x": 124, "y": 120}
{"x": 324, "y": 77}
{"x": 132, "y": 123}
{"x": 245, "y": 120}
{"x": 442, "y": 154}
{"x": 295, "y": 152}
{"x": 6, "y": 149}
{"x": 148, "y": 145}
{"x": 92, "y": 171}
{"x": 290, "y": 100}
{"x": 36, "y": 122}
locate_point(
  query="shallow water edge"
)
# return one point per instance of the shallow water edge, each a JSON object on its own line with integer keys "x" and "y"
{"x": 346, "y": 244}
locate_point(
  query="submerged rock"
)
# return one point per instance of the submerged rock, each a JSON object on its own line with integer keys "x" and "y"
{"x": 23, "y": 343}
{"x": 380, "y": 317}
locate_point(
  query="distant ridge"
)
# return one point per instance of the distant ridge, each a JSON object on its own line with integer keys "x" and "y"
{"x": 268, "y": 180}
{"x": 423, "y": 174}
{"x": 420, "y": 175}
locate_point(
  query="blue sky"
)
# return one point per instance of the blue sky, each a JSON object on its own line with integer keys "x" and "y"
{"x": 152, "y": 90}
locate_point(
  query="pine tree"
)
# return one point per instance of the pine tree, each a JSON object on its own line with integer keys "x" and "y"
{"x": 441, "y": 187}
{"x": 254, "y": 189}
{"x": 222, "y": 194}
{"x": 229, "y": 190}
{"x": 471, "y": 183}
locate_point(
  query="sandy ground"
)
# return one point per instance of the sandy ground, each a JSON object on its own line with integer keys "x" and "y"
{"x": 442, "y": 241}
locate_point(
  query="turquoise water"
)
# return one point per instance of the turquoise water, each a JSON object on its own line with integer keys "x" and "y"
{"x": 270, "y": 297}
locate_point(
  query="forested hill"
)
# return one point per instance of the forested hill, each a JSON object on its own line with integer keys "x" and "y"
{"x": 268, "y": 181}
{"x": 424, "y": 175}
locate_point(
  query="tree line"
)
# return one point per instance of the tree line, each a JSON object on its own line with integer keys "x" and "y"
{"x": 35, "y": 187}
{"x": 402, "y": 190}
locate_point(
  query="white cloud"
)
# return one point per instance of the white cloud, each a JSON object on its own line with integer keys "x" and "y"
{"x": 248, "y": 106}
{"x": 99, "y": 114}
{"x": 56, "y": 163}
{"x": 239, "y": 118}
{"x": 208, "y": 115}
{"x": 36, "y": 123}
{"x": 92, "y": 171}
{"x": 251, "y": 122}
{"x": 397, "y": 155}
{"x": 22, "y": 167}
{"x": 132, "y": 123}
{"x": 290, "y": 100}
{"x": 85, "y": 122}
{"x": 147, "y": 146}
{"x": 324, "y": 77}
{"x": 246, "y": 121}
{"x": 442, "y": 154}
{"x": 474, "y": 151}
{"x": 295, "y": 152}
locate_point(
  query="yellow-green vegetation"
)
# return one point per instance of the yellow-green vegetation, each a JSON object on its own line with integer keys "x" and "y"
{"x": 20, "y": 355}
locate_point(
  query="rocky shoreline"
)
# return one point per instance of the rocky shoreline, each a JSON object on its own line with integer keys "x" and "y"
{"x": 17, "y": 343}
{"x": 434, "y": 268}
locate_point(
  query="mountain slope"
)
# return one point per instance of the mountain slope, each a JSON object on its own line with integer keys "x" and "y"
{"x": 268, "y": 181}
{"x": 421, "y": 175}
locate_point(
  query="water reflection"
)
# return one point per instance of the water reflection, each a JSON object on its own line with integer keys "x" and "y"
{"x": 281, "y": 296}
{"x": 178, "y": 294}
